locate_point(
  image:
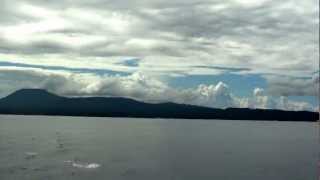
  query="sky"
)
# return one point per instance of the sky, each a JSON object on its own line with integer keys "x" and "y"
{"x": 214, "y": 53}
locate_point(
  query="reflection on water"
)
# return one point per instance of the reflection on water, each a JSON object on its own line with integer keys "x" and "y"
{"x": 40, "y": 147}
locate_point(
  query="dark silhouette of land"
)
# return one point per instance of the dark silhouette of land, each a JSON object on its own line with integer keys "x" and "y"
{"x": 41, "y": 102}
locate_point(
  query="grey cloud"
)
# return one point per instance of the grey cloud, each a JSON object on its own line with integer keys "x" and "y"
{"x": 61, "y": 83}
{"x": 46, "y": 47}
{"x": 119, "y": 4}
{"x": 33, "y": 48}
{"x": 12, "y": 80}
{"x": 292, "y": 86}
{"x": 225, "y": 68}
{"x": 265, "y": 28}
{"x": 100, "y": 71}
{"x": 9, "y": 15}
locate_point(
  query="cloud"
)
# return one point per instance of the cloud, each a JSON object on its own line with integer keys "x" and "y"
{"x": 140, "y": 87}
{"x": 262, "y": 37}
{"x": 78, "y": 47}
{"x": 74, "y": 69}
{"x": 291, "y": 86}
{"x": 261, "y": 100}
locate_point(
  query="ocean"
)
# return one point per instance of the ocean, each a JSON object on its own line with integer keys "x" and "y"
{"x": 54, "y": 147}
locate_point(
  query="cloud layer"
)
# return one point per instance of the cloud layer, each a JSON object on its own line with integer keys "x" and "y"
{"x": 289, "y": 86}
{"x": 140, "y": 87}
{"x": 184, "y": 37}
{"x": 78, "y": 47}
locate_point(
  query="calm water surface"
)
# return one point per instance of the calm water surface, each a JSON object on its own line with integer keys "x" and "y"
{"x": 44, "y": 148}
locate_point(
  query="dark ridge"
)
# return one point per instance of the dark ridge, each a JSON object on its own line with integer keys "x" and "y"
{"x": 42, "y": 102}
{"x": 31, "y": 93}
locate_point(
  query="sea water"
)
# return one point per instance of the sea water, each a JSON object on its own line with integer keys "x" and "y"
{"x": 43, "y": 147}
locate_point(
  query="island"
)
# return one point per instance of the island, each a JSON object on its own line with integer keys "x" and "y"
{"x": 42, "y": 102}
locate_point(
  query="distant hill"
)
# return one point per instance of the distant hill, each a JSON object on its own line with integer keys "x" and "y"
{"x": 41, "y": 102}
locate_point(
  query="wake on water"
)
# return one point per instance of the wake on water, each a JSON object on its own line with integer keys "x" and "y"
{"x": 83, "y": 165}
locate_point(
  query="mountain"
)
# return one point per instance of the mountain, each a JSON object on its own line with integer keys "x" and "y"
{"x": 41, "y": 102}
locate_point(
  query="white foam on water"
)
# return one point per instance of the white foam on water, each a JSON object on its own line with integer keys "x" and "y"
{"x": 86, "y": 166}
{"x": 83, "y": 165}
